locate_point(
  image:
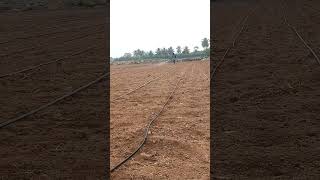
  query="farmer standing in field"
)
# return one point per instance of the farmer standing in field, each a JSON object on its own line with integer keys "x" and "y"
{"x": 174, "y": 57}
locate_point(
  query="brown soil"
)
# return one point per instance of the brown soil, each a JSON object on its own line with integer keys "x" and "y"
{"x": 266, "y": 96}
{"x": 178, "y": 142}
{"x": 66, "y": 140}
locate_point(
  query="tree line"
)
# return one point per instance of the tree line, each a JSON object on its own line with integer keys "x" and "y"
{"x": 166, "y": 53}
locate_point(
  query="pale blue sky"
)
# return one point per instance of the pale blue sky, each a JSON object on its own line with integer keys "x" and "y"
{"x": 149, "y": 24}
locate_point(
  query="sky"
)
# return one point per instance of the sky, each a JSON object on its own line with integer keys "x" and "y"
{"x": 152, "y": 24}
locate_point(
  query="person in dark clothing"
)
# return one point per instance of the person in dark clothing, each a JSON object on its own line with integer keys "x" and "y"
{"x": 174, "y": 58}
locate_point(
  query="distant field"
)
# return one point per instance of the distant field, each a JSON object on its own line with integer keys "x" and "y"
{"x": 178, "y": 142}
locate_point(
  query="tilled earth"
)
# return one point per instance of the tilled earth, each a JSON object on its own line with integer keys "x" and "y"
{"x": 178, "y": 142}
{"x": 68, "y": 139}
{"x": 266, "y": 96}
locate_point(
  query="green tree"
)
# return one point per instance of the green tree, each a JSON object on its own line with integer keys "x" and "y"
{"x": 170, "y": 50}
{"x": 186, "y": 50}
{"x": 205, "y": 43}
{"x": 158, "y": 52}
{"x": 195, "y": 49}
{"x": 179, "y": 49}
{"x": 127, "y": 55}
{"x": 138, "y": 53}
{"x": 164, "y": 52}
{"x": 150, "y": 54}
{"x": 143, "y": 54}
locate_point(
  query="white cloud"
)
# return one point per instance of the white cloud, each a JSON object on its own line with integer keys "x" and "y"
{"x": 149, "y": 24}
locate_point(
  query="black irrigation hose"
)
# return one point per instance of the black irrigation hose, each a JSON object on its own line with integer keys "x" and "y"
{"x": 50, "y": 33}
{"x": 46, "y": 63}
{"x": 139, "y": 87}
{"x": 65, "y": 41}
{"x": 311, "y": 7}
{"x": 300, "y": 37}
{"x": 233, "y": 43}
{"x": 147, "y": 129}
{"x": 10, "y": 121}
